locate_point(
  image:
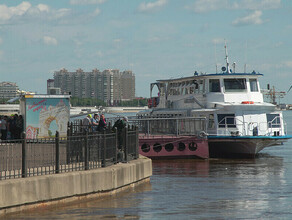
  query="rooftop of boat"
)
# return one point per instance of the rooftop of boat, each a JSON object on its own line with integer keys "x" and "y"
{"x": 208, "y": 75}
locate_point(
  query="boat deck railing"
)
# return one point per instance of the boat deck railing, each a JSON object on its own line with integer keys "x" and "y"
{"x": 236, "y": 127}
{"x": 170, "y": 126}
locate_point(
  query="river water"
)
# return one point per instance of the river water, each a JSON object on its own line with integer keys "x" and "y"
{"x": 259, "y": 188}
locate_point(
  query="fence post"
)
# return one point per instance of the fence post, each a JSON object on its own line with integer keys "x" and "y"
{"x": 177, "y": 127}
{"x": 99, "y": 149}
{"x": 68, "y": 152}
{"x": 23, "y": 164}
{"x": 117, "y": 145}
{"x": 57, "y": 142}
{"x": 126, "y": 144}
{"x": 103, "y": 164}
{"x": 137, "y": 143}
{"x": 86, "y": 151}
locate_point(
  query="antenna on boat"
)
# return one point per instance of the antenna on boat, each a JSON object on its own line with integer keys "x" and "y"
{"x": 227, "y": 62}
{"x": 245, "y": 56}
{"x": 216, "y": 59}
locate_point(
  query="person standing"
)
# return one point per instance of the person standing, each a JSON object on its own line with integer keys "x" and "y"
{"x": 3, "y": 128}
{"x": 102, "y": 123}
{"x": 120, "y": 124}
{"x": 19, "y": 126}
{"x": 95, "y": 122}
{"x": 86, "y": 122}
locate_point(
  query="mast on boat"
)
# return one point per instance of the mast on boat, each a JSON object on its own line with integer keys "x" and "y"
{"x": 227, "y": 62}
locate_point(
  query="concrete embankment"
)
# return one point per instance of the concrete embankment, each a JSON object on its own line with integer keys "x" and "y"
{"x": 56, "y": 189}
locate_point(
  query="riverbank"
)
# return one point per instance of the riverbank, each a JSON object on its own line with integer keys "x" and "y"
{"x": 57, "y": 189}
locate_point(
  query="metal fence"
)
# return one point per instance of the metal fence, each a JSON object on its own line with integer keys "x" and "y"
{"x": 78, "y": 151}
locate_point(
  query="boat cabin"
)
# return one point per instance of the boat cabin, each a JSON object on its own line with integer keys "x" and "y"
{"x": 205, "y": 90}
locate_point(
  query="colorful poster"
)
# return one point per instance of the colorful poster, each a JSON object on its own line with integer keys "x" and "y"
{"x": 45, "y": 116}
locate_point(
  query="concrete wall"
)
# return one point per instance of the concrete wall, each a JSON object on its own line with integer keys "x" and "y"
{"x": 23, "y": 193}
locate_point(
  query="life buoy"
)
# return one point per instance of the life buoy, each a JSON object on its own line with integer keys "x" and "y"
{"x": 247, "y": 102}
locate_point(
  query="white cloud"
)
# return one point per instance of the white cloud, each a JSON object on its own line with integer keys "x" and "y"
{"x": 7, "y": 13}
{"x": 202, "y": 6}
{"x": 257, "y": 4}
{"x": 218, "y": 40}
{"x": 154, "y": 39}
{"x": 86, "y": 2}
{"x": 151, "y": 6}
{"x": 278, "y": 44}
{"x": 50, "y": 40}
{"x": 27, "y": 11}
{"x": 96, "y": 11}
{"x": 43, "y": 8}
{"x": 99, "y": 53}
{"x": 254, "y": 18}
{"x": 287, "y": 64}
{"x": 117, "y": 40}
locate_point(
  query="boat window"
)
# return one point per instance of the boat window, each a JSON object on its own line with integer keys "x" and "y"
{"x": 273, "y": 120}
{"x": 253, "y": 85}
{"x": 235, "y": 85}
{"x": 211, "y": 121}
{"x": 201, "y": 86}
{"x": 226, "y": 120}
{"x": 214, "y": 85}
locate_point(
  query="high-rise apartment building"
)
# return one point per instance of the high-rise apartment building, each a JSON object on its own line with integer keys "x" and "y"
{"x": 110, "y": 86}
{"x": 8, "y": 90}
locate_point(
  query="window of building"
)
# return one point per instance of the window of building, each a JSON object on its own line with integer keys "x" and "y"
{"x": 226, "y": 120}
{"x": 214, "y": 85}
{"x": 235, "y": 85}
{"x": 253, "y": 85}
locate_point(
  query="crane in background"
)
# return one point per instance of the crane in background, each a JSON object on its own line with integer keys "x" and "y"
{"x": 274, "y": 95}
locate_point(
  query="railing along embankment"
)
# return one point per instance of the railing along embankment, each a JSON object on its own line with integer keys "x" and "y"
{"x": 82, "y": 149}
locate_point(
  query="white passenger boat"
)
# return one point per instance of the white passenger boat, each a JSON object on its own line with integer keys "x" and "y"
{"x": 237, "y": 120}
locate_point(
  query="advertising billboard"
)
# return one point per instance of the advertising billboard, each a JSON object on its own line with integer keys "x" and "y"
{"x": 46, "y": 114}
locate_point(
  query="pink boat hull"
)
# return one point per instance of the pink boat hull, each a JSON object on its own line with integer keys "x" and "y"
{"x": 157, "y": 146}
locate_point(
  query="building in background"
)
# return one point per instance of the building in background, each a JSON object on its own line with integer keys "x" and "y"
{"x": 8, "y": 90}
{"x": 110, "y": 86}
{"x": 51, "y": 89}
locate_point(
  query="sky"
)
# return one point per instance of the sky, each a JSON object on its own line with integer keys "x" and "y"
{"x": 156, "y": 39}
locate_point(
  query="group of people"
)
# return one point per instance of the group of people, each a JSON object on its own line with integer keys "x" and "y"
{"x": 11, "y": 127}
{"x": 97, "y": 123}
